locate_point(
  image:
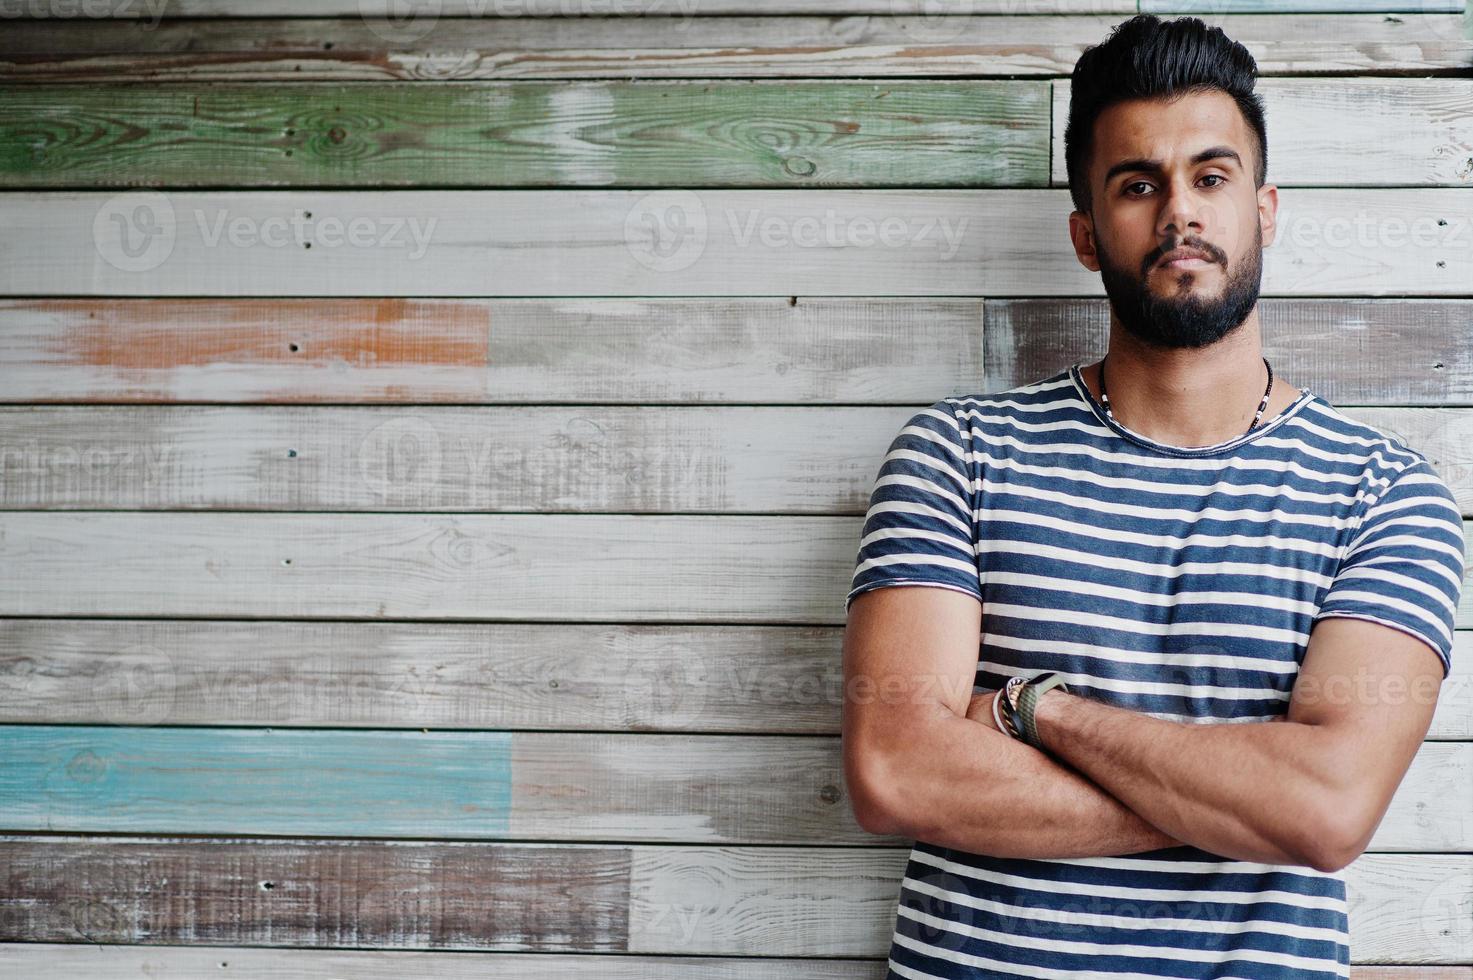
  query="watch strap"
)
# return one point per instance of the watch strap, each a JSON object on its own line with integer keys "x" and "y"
{"x": 1009, "y": 698}
{"x": 1028, "y": 703}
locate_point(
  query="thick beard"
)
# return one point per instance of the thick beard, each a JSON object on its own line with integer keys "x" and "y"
{"x": 1184, "y": 320}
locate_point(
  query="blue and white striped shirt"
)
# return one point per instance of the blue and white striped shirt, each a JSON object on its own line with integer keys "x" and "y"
{"x": 1178, "y": 582}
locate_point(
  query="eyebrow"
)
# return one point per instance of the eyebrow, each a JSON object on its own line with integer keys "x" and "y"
{"x": 1156, "y": 166}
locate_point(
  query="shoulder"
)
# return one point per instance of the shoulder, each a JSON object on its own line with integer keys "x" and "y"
{"x": 1379, "y": 455}
{"x": 987, "y": 413}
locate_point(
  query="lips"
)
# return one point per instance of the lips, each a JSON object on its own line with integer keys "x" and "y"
{"x": 1184, "y": 255}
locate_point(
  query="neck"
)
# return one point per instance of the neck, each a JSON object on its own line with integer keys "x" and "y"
{"x": 1189, "y": 397}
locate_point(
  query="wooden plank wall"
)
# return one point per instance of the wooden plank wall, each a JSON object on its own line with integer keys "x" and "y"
{"x": 433, "y": 451}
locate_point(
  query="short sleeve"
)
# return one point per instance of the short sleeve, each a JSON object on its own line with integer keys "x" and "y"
{"x": 1405, "y": 566}
{"x": 919, "y": 529}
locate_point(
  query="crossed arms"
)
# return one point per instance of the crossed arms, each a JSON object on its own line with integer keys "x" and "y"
{"x": 923, "y": 759}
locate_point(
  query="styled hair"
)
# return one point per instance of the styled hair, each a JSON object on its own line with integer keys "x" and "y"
{"x": 1146, "y": 57}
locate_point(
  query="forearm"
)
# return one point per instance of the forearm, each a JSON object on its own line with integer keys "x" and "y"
{"x": 975, "y": 789}
{"x": 1245, "y": 791}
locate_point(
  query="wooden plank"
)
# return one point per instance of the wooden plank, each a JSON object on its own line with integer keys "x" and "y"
{"x": 1295, "y": 6}
{"x": 1349, "y": 131}
{"x": 542, "y": 134}
{"x": 450, "y": 785}
{"x": 327, "y": 893}
{"x": 536, "y": 134}
{"x": 579, "y": 459}
{"x": 152, "y": 10}
{"x": 788, "y": 350}
{"x": 566, "y": 460}
{"x": 553, "y": 567}
{"x": 1333, "y": 242}
{"x": 946, "y": 45}
{"x": 1348, "y": 351}
{"x": 470, "y": 566}
{"x": 735, "y": 679}
{"x": 727, "y": 902}
{"x": 1404, "y": 132}
{"x": 750, "y": 901}
{"x": 481, "y": 785}
{"x": 86, "y": 961}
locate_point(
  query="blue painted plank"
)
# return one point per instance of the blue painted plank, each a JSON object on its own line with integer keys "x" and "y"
{"x": 255, "y": 781}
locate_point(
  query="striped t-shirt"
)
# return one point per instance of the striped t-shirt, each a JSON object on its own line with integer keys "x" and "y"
{"x": 1179, "y": 582}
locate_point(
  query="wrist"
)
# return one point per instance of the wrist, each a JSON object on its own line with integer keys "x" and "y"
{"x": 1050, "y": 707}
{"x": 1030, "y": 696}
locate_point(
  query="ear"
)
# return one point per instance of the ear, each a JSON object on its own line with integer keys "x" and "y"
{"x": 1082, "y": 233}
{"x": 1268, "y": 212}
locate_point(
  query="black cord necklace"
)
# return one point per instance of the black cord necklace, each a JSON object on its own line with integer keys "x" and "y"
{"x": 1105, "y": 398}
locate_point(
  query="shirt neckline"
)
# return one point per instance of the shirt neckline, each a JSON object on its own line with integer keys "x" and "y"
{"x": 1098, "y": 410}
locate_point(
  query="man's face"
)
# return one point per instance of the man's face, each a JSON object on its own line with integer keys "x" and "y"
{"x": 1143, "y": 210}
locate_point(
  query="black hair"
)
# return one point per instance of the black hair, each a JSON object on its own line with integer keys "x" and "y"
{"x": 1146, "y": 57}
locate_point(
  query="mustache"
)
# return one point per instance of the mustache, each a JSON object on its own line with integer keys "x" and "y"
{"x": 1212, "y": 251}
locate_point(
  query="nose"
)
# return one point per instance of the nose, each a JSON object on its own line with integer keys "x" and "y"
{"x": 1184, "y": 214}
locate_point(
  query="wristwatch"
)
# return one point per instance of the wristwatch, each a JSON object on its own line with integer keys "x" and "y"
{"x": 1028, "y": 703}
{"x": 1005, "y": 708}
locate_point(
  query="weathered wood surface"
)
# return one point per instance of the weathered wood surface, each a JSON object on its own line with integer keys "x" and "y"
{"x": 750, "y": 901}
{"x": 750, "y": 351}
{"x": 977, "y": 43}
{"x": 576, "y": 677}
{"x": 542, "y": 134}
{"x": 1361, "y": 132}
{"x": 552, "y": 567}
{"x": 995, "y": 243}
{"x": 1351, "y": 352}
{"x": 576, "y": 459}
{"x": 755, "y": 350}
{"x": 86, "y": 961}
{"x": 725, "y": 133}
{"x": 500, "y": 785}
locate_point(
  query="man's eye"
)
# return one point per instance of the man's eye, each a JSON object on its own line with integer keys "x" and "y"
{"x": 1142, "y": 183}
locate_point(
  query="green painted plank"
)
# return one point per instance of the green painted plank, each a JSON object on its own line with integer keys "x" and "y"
{"x": 273, "y": 781}
{"x": 528, "y": 134}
